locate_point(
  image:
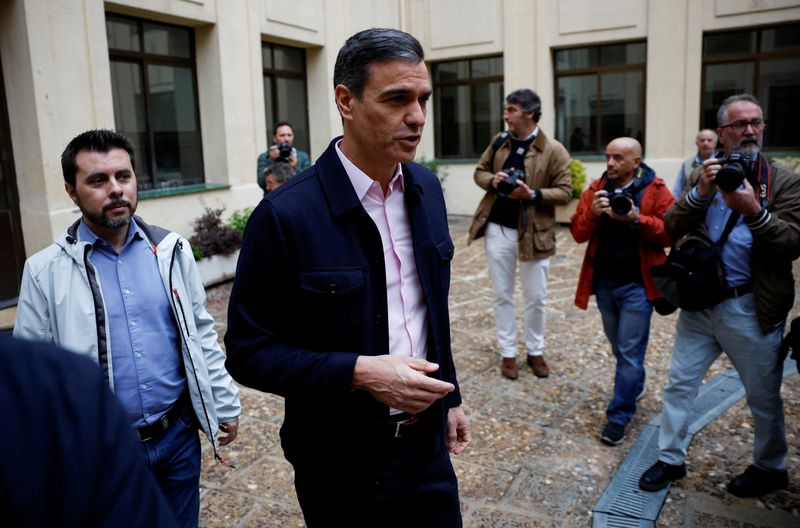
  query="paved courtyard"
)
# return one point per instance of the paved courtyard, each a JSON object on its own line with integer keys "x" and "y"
{"x": 535, "y": 457}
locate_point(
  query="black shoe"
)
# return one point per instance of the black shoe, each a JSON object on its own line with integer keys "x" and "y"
{"x": 661, "y": 475}
{"x": 613, "y": 434}
{"x": 755, "y": 482}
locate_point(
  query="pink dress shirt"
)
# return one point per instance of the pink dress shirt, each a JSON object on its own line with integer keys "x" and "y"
{"x": 408, "y": 314}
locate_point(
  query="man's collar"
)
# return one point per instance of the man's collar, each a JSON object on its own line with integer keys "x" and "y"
{"x": 87, "y": 235}
{"x": 361, "y": 181}
{"x": 532, "y": 135}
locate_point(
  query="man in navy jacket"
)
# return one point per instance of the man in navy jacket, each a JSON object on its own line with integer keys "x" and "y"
{"x": 340, "y": 305}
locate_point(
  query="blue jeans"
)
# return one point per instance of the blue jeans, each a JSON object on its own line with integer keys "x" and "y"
{"x": 174, "y": 458}
{"x": 732, "y": 327}
{"x": 626, "y": 320}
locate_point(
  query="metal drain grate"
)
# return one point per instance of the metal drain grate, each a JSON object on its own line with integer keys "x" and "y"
{"x": 623, "y": 504}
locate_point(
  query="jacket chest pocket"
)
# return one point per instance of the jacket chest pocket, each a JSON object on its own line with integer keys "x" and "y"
{"x": 333, "y": 296}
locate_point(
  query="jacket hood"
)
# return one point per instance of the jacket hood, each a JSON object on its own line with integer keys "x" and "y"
{"x": 644, "y": 173}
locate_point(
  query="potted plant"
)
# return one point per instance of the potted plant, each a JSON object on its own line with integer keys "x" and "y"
{"x": 578, "y": 172}
{"x": 216, "y": 244}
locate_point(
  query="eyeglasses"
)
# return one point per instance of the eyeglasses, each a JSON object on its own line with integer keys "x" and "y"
{"x": 741, "y": 125}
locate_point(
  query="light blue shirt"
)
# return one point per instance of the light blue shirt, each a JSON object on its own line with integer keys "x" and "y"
{"x": 143, "y": 338}
{"x": 736, "y": 251}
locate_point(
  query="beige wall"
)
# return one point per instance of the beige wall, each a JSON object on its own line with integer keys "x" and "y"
{"x": 57, "y": 77}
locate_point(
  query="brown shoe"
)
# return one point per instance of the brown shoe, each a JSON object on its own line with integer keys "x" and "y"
{"x": 509, "y": 368}
{"x": 539, "y": 366}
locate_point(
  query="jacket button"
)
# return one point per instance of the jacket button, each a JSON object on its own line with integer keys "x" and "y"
{"x": 332, "y": 287}
{"x": 378, "y": 319}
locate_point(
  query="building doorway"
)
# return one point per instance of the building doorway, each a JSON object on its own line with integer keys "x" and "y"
{"x": 12, "y": 255}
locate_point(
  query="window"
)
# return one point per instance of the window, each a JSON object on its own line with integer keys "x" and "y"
{"x": 764, "y": 62}
{"x": 468, "y": 100}
{"x": 154, "y": 86}
{"x": 285, "y": 90}
{"x": 600, "y": 95}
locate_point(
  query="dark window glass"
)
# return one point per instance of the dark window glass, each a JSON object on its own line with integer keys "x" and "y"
{"x": 123, "y": 34}
{"x": 155, "y": 100}
{"x": 284, "y": 70}
{"x": 601, "y": 95}
{"x": 468, "y": 104}
{"x": 729, "y": 42}
{"x": 167, "y": 40}
{"x": 768, "y": 66}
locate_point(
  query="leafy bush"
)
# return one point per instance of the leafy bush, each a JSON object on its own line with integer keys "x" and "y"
{"x": 578, "y": 173}
{"x": 238, "y": 219}
{"x": 211, "y": 237}
{"x": 790, "y": 162}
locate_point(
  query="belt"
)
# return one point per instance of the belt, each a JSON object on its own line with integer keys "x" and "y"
{"x": 396, "y": 425}
{"x": 738, "y": 291}
{"x": 147, "y": 432}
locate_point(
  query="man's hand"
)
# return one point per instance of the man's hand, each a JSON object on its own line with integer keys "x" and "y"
{"x": 231, "y": 429}
{"x": 273, "y": 152}
{"x": 522, "y": 192}
{"x": 742, "y": 200}
{"x": 708, "y": 174}
{"x": 399, "y": 381}
{"x": 459, "y": 431}
{"x": 600, "y": 203}
{"x": 293, "y": 160}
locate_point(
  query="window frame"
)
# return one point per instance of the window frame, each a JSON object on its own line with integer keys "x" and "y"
{"x": 470, "y": 82}
{"x": 756, "y": 58}
{"x": 273, "y": 74}
{"x": 144, "y": 59}
{"x": 598, "y": 71}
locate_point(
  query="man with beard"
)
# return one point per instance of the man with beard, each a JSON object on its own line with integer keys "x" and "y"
{"x": 128, "y": 296}
{"x": 748, "y": 324}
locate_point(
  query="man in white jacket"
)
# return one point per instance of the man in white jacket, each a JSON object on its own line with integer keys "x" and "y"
{"x": 128, "y": 295}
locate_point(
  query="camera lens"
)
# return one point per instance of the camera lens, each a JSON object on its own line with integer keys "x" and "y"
{"x": 730, "y": 176}
{"x": 620, "y": 204}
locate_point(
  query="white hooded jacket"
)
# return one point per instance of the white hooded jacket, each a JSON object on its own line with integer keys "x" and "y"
{"x": 61, "y": 302}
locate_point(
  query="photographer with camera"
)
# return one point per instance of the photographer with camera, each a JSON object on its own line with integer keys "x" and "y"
{"x": 621, "y": 215}
{"x": 281, "y": 150}
{"x": 761, "y": 201}
{"x": 525, "y": 174}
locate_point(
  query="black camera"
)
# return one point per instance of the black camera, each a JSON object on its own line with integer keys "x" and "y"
{"x": 507, "y": 185}
{"x": 284, "y": 152}
{"x": 735, "y": 168}
{"x": 620, "y": 200}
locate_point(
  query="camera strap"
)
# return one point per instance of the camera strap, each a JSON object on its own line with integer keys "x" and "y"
{"x": 763, "y": 189}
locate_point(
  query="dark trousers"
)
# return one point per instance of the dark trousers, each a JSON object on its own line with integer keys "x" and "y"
{"x": 174, "y": 458}
{"x": 382, "y": 481}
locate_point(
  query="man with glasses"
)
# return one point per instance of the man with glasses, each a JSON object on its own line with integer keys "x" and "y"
{"x": 748, "y": 324}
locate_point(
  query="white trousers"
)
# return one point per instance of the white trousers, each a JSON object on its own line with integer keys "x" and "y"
{"x": 502, "y": 252}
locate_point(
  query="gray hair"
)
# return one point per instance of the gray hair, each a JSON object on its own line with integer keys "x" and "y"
{"x": 368, "y": 46}
{"x": 722, "y": 113}
{"x": 281, "y": 171}
{"x": 527, "y": 100}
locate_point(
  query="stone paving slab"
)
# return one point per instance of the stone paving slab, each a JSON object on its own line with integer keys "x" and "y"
{"x": 536, "y": 459}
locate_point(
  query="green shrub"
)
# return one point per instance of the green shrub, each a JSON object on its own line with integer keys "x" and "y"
{"x": 211, "y": 237}
{"x": 238, "y": 219}
{"x": 578, "y": 173}
{"x": 790, "y": 162}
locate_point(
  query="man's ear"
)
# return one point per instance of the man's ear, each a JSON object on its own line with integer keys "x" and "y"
{"x": 344, "y": 101}
{"x": 71, "y": 192}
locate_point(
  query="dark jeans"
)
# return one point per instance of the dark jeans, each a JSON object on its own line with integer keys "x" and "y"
{"x": 626, "y": 316}
{"x": 174, "y": 458}
{"x": 407, "y": 481}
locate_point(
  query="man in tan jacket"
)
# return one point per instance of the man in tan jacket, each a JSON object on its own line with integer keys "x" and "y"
{"x": 525, "y": 174}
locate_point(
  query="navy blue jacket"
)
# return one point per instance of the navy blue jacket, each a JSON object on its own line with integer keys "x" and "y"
{"x": 68, "y": 455}
{"x": 309, "y": 297}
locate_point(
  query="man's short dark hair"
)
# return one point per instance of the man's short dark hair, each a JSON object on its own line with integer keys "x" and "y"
{"x": 279, "y": 124}
{"x": 527, "y": 100}
{"x": 722, "y": 113}
{"x": 368, "y": 46}
{"x": 100, "y": 140}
